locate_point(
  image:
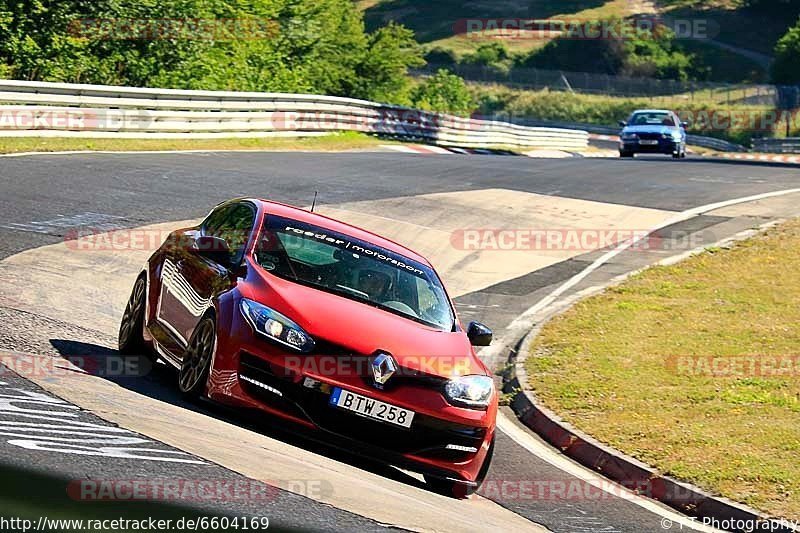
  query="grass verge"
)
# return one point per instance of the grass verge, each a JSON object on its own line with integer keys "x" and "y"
{"x": 634, "y": 367}
{"x": 333, "y": 142}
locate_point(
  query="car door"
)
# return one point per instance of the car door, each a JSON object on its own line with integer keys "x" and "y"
{"x": 190, "y": 281}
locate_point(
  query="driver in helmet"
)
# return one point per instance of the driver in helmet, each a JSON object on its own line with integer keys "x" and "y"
{"x": 374, "y": 283}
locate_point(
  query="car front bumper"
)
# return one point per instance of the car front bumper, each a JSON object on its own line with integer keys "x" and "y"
{"x": 444, "y": 441}
{"x": 663, "y": 146}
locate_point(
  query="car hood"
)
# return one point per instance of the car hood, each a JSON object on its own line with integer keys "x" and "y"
{"x": 363, "y": 329}
{"x": 651, "y": 128}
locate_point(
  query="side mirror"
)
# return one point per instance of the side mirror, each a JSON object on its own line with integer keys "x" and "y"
{"x": 684, "y": 125}
{"x": 213, "y": 248}
{"x": 622, "y": 123}
{"x": 478, "y": 334}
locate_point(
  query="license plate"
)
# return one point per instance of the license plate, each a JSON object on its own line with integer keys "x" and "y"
{"x": 370, "y": 408}
{"x": 647, "y": 141}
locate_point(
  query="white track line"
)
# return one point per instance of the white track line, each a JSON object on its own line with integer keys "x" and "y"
{"x": 525, "y": 319}
{"x": 547, "y": 453}
{"x": 400, "y": 148}
{"x": 194, "y": 151}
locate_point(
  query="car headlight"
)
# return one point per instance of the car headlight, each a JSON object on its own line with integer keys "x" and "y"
{"x": 275, "y": 326}
{"x": 629, "y": 136}
{"x": 469, "y": 391}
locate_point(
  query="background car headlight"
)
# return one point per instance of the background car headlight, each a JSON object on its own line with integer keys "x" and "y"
{"x": 469, "y": 391}
{"x": 629, "y": 136}
{"x": 275, "y": 326}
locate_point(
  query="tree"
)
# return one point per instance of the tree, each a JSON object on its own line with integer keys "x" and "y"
{"x": 440, "y": 56}
{"x": 487, "y": 54}
{"x": 654, "y": 54}
{"x": 444, "y": 92}
{"x": 786, "y": 67}
{"x": 311, "y": 46}
{"x": 383, "y": 70}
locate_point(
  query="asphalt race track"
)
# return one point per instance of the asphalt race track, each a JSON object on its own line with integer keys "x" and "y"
{"x": 46, "y": 197}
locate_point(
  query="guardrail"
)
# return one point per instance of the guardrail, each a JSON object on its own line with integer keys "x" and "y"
{"x": 788, "y": 145}
{"x": 694, "y": 140}
{"x": 59, "y": 110}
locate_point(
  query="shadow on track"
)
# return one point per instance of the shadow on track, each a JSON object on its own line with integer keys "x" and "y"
{"x": 159, "y": 381}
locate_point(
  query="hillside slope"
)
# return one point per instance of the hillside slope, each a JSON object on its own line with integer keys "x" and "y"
{"x": 734, "y": 47}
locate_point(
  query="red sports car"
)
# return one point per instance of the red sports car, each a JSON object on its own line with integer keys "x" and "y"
{"x": 289, "y": 312}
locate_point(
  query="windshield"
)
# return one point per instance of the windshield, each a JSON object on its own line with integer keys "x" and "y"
{"x": 651, "y": 119}
{"x": 354, "y": 269}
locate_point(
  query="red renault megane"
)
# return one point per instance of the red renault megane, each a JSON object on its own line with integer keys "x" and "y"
{"x": 289, "y": 312}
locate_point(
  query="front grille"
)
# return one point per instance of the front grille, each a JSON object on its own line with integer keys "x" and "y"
{"x": 360, "y": 363}
{"x": 428, "y": 436}
{"x": 649, "y": 136}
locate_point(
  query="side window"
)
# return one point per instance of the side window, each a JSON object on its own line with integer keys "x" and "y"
{"x": 215, "y": 219}
{"x": 427, "y": 298}
{"x": 236, "y": 230}
{"x": 233, "y": 223}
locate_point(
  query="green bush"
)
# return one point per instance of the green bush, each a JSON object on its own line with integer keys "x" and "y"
{"x": 786, "y": 67}
{"x": 652, "y": 55}
{"x": 441, "y": 56}
{"x": 444, "y": 92}
{"x": 487, "y": 54}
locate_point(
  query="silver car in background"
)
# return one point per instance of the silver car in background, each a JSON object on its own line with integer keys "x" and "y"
{"x": 653, "y": 131}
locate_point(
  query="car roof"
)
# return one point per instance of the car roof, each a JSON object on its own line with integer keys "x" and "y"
{"x": 317, "y": 219}
{"x": 652, "y": 111}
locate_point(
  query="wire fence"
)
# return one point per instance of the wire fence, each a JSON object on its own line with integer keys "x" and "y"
{"x": 593, "y": 83}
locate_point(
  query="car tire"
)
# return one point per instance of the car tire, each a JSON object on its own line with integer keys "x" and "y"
{"x": 196, "y": 361}
{"x": 626, "y": 154}
{"x": 130, "y": 339}
{"x": 455, "y": 489}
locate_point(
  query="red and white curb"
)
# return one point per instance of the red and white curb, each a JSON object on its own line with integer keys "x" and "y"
{"x": 543, "y": 153}
{"x": 770, "y": 158}
{"x": 598, "y": 137}
{"x": 600, "y": 153}
{"x": 429, "y": 149}
{"x": 549, "y": 154}
{"x": 417, "y": 148}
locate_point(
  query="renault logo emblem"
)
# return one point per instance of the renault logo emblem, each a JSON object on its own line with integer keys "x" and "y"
{"x": 383, "y": 367}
